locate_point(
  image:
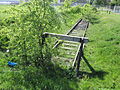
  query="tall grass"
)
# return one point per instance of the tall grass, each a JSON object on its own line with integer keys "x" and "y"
{"x": 103, "y": 52}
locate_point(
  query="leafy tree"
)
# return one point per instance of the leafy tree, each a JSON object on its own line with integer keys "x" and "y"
{"x": 24, "y": 30}
{"x": 101, "y": 2}
{"x": 89, "y": 13}
{"x": 115, "y": 2}
{"x": 67, "y": 3}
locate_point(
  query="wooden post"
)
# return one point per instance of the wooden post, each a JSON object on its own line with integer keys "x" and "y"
{"x": 43, "y": 38}
{"x": 90, "y": 67}
{"x": 79, "y": 58}
{"x": 79, "y": 55}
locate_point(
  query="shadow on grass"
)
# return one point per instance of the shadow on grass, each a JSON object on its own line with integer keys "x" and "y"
{"x": 50, "y": 78}
{"x": 95, "y": 20}
{"x": 96, "y": 74}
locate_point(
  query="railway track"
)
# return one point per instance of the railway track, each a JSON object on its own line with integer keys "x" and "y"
{"x": 72, "y": 51}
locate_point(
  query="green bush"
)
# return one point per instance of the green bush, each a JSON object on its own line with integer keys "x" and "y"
{"x": 3, "y": 43}
{"x": 89, "y": 13}
{"x": 24, "y": 29}
{"x": 115, "y": 2}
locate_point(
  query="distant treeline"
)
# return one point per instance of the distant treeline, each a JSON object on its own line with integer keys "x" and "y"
{"x": 106, "y": 2}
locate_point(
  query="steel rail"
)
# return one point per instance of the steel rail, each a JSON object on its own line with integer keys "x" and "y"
{"x": 81, "y": 25}
{"x": 57, "y": 43}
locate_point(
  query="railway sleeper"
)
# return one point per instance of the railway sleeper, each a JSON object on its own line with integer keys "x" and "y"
{"x": 70, "y": 45}
{"x": 68, "y": 48}
{"x": 67, "y": 56}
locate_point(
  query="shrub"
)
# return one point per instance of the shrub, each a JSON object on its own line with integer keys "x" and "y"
{"x": 89, "y": 13}
{"x": 24, "y": 29}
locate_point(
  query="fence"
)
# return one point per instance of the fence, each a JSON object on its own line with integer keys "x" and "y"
{"x": 115, "y": 9}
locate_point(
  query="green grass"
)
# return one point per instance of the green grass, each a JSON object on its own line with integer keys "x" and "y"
{"x": 2, "y": 9}
{"x": 103, "y": 53}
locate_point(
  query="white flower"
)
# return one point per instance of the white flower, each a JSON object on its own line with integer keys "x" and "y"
{"x": 8, "y": 50}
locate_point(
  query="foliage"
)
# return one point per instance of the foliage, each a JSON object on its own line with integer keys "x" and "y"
{"x": 101, "y": 2}
{"x": 102, "y": 52}
{"x": 3, "y": 8}
{"x": 106, "y": 2}
{"x": 89, "y": 13}
{"x": 115, "y": 2}
{"x": 20, "y": 28}
{"x": 74, "y": 10}
{"x": 24, "y": 30}
{"x": 67, "y": 3}
{"x": 3, "y": 43}
{"x": 86, "y": 12}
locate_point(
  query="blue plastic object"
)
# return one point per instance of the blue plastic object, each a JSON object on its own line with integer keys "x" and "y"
{"x": 12, "y": 64}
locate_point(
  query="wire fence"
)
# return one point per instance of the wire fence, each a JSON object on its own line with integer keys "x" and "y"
{"x": 114, "y": 9}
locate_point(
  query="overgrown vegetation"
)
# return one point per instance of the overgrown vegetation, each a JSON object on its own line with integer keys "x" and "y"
{"x": 103, "y": 53}
{"x": 101, "y": 2}
{"x": 21, "y": 41}
{"x": 106, "y": 2}
{"x": 25, "y": 27}
{"x": 21, "y": 36}
{"x": 90, "y": 14}
{"x": 115, "y": 2}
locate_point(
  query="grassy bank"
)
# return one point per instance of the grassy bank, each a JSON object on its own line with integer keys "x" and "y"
{"x": 103, "y": 53}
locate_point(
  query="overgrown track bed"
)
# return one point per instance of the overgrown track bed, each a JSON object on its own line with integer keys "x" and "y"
{"x": 71, "y": 47}
{"x": 72, "y": 52}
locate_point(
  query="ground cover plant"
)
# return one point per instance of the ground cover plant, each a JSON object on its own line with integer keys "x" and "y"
{"x": 24, "y": 28}
{"x": 2, "y": 8}
{"x": 25, "y": 48}
{"x": 103, "y": 53}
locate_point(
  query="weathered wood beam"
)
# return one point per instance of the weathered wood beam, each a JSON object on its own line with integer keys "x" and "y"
{"x": 67, "y": 37}
{"x": 76, "y": 57}
{"x": 69, "y": 32}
